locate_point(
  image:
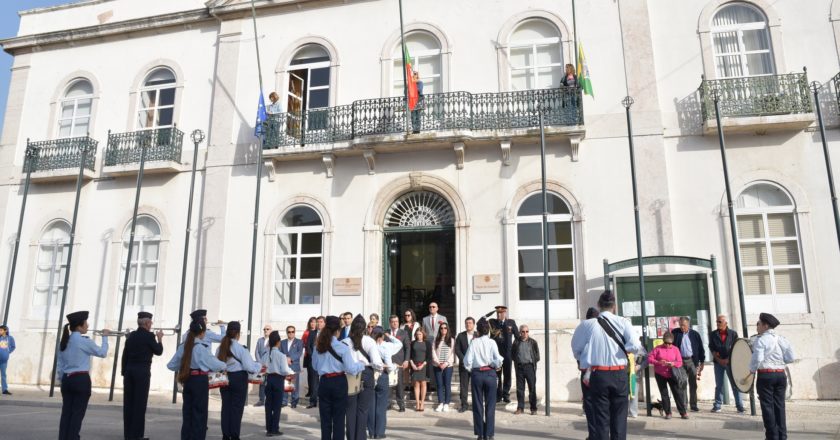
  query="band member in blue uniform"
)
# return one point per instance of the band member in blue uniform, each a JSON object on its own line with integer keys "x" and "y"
{"x": 358, "y": 406}
{"x": 771, "y": 352}
{"x": 388, "y": 346}
{"x": 193, "y": 361}
{"x": 140, "y": 346}
{"x": 73, "y": 368}
{"x": 210, "y": 336}
{"x": 333, "y": 360}
{"x": 482, "y": 360}
{"x": 276, "y": 369}
{"x": 239, "y": 364}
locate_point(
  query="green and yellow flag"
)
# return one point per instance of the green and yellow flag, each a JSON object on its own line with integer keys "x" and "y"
{"x": 584, "y": 81}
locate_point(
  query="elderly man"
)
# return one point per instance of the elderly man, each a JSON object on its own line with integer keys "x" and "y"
{"x": 693, "y": 355}
{"x": 259, "y": 351}
{"x": 140, "y": 346}
{"x": 526, "y": 356}
{"x": 292, "y": 347}
{"x": 721, "y": 341}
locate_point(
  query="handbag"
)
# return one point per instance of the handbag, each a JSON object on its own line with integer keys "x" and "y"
{"x": 680, "y": 376}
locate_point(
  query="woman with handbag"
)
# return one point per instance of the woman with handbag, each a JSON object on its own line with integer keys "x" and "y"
{"x": 667, "y": 364}
{"x": 276, "y": 370}
{"x": 239, "y": 364}
{"x": 193, "y": 361}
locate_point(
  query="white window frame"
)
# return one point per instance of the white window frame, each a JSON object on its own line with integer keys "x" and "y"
{"x": 134, "y": 286}
{"x": 534, "y": 44}
{"x": 277, "y": 259}
{"x": 742, "y": 53}
{"x": 156, "y": 108}
{"x": 54, "y": 292}
{"x": 417, "y": 58}
{"x": 552, "y": 218}
{"x": 74, "y": 117}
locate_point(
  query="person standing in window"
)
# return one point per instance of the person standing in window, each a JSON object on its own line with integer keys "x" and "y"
{"x": 415, "y": 114}
{"x": 274, "y": 108}
{"x": 443, "y": 356}
{"x": 418, "y": 361}
{"x": 526, "y": 356}
{"x": 664, "y": 357}
{"x": 7, "y": 346}
{"x": 771, "y": 352}
{"x": 569, "y": 77}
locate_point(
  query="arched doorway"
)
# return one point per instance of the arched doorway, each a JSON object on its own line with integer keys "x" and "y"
{"x": 419, "y": 255}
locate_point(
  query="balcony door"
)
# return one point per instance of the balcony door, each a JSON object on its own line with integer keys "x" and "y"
{"x": 309, "y": 87}
{"x": 294, "y": 105}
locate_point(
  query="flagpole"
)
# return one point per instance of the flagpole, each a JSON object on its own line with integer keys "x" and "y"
{"x": 405, "y": 74}
{"x": 259, "y": 181}
{"x": 546, "y": 291}
{"x": 28, "y": 159}
{"x": 574, "y": 31}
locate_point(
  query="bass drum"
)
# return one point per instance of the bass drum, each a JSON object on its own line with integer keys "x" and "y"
{"x": 739, "y": 364}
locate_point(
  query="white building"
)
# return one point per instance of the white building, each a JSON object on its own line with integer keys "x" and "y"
{"x": 357, "y": 215}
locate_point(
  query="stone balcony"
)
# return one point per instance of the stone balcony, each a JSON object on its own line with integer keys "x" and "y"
{"x": 58, "y": 160}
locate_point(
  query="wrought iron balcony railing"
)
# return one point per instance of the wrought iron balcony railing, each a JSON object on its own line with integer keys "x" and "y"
{"x": 161, "y": 144}
{"x": 836, "y": 81}
{"x": 60, "y": 154}
{"x": 435, "y": 112}
{"x": 757, "y": 96}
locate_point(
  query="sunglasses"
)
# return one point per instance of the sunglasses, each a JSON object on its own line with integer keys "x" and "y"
{"x": 523, "y": 331}
{"x": 291, "y": 332}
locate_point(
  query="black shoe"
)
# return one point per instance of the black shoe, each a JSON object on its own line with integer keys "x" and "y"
{"x": 462, "y": 409}
{"x": 506, "y": 399}
{"x": 695, "y": 409}
{"x": 402, "y": 409}
{"x": 294, "y": 405}
{"x": 7, "y": 393}
{"x": 259, "y": 404}
{"x": 314, "y": 405}
{"x": 283, "y": 405}
{"x": 273, "y": 434}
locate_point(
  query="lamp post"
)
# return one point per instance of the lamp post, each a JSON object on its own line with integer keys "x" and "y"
{"x": 815, "y": 87}
{"x": 197, "y": 137}
{"x": 546, "y": 290}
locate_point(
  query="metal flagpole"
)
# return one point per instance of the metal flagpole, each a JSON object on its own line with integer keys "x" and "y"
{"x": 628, "y": 102}
{"x": 733, "y": 230}
{"x": 197, "y": 136}
{"x": 259, "y": 181}
{"x": 546, "y": 289}
{"x": 815, "y": 86}
{"x": 28, "y": 156}
{"x": 144, "y": 139}
{"x": 574, "y": 31}
{"x": 84, "y": 148}
{"x": 405, "y": 74}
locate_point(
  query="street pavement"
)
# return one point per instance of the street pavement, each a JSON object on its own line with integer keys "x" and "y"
{"x": 31, "y": 414}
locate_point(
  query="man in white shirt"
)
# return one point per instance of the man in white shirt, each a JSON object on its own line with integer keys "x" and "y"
{"x": 431, "y": 325}
{"x": 771, "y": 352}
{"x": 462, "y": 343}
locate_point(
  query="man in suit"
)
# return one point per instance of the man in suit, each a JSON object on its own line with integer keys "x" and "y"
{"x": 292, "y": 347}
{"x": 462, "y": 343}
{"x": 140, "y": 346}
{"x": 431, "y": 324}
{"x": 260, "y": 350}
{"x": 346, "y": 320}
{"x": 400, "y": 359}
{"x": 693, "y": 355}
{"x": 721, "y": 341}
{"x": 506, "y": 329}
{"x": 311, "y": 372}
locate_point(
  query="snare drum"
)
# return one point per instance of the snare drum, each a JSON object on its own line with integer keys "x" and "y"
{"x": 257, "y": 378}
{"x": 289, "y": 383}
{"x": 218, "y": 379}
{"x": 354, "y": 384}
{"x": 393, "y": 377}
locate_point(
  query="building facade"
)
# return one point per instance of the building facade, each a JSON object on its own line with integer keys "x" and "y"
{"x": 370, "y": 208}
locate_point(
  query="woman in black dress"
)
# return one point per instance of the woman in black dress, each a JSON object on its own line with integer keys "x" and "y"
{"x": 419, "y": 360}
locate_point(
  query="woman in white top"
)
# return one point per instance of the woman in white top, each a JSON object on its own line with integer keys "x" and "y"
{"x": 239, "y": 364}
{"x": 276, "y": 370}
{"x": 364, "y": 350}
{"x": 443, "y": 356}
{"x": 388, "y": 346}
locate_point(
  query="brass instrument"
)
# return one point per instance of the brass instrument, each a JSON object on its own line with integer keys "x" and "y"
{"x": 110, "y": 333}
{"x": 166, "y": 331}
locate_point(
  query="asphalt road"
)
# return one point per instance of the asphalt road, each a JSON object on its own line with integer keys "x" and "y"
{"x": 36, "y": 423}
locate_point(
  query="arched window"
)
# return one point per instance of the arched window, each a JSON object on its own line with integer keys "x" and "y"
{"x": 536, "y": 55}
{"x": 157, "y": 100}
{"x": 297, "y": 257}
{"x": 529, "y": 240}
{"x": 309, "y": 79}
{"x": 768, "y": 237}
{"x": 424, "y": 50}
{"x": 51, "y": 268}
{"x": 741, "y": 42}
{"x": 142, "y": 279}
{"x": 76, "y": 109}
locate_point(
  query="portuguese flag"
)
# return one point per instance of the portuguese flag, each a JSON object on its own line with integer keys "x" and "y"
{"x": 413, "y": 95}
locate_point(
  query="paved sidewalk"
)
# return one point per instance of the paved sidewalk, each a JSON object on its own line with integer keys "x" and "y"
{"x": 818, "y": 418}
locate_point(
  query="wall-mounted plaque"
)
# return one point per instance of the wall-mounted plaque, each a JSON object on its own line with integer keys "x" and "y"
{"x": 347, "y": 286}
{"x": 487, "y": 283}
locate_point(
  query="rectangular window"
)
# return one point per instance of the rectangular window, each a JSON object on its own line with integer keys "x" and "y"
{"x": 297, "y": 266}
{"x": 560, "y": 258}
{"x": 142, "y": 278}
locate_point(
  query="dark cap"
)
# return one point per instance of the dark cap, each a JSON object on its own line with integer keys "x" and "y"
{"x": 769, "y": 319}
{"x": 77, "y": 318}
{"x": 592, "y": 312}
{"x": 198, "y": 314}
{"x": 501, "y": 308}
{"x": 332, "y": 321}
{"x": 197, "y": 327}
{"x": 606, "y": 300}
{"x": 144, "y": 315}
{"x": 234, "y": 326}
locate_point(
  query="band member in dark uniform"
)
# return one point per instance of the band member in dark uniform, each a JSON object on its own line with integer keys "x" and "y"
{"x": 140, "y": 346}
{"x": 482, "y": 360}
{"x": 239, "y": 364}
{"x": 73, "y": 368}
{"x": 332, "y": 360}
{"x": 504, "y": 331}
{"x": 193, "y": 361}
{"x": 771, "y": 352}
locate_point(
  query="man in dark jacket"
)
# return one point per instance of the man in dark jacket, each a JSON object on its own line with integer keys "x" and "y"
{"x": 526, "y": 356}
{"x": 693, "y": 355}
{"x": 462, "y": 343}
{"x": 720, "y": 344}
{"x": 311, "y": 373}
{"x": 504, "y": 331}
{"x": 400, "y": 359}
{"x": 140, "y": 346}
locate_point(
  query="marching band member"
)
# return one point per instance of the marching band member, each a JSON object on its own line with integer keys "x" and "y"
{"x": 276, "y": 370}
{"x": 73, "y": 368}
{"x": 387, "y": 346}
{"x": 239, "y": 364}
{"x": 358, "y": 406}
{"x": 332, "y": 359}
{"x": 210, "y": 336}
{"x": 482, "y": 360}
{"x": 140, "y": 346}
{"x": 770, "y": 354}
{"x": 193, "y": 361}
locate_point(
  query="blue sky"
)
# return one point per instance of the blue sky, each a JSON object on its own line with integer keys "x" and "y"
{"x": 8, "y": 28}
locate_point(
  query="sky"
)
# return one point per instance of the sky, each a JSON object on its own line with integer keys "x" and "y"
{"x": 9, "y": 21}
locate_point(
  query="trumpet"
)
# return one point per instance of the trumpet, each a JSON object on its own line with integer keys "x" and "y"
{"x": 166, "y": 331}
{"x": 110, "y": 333}
{"x": 220, "y": 322}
